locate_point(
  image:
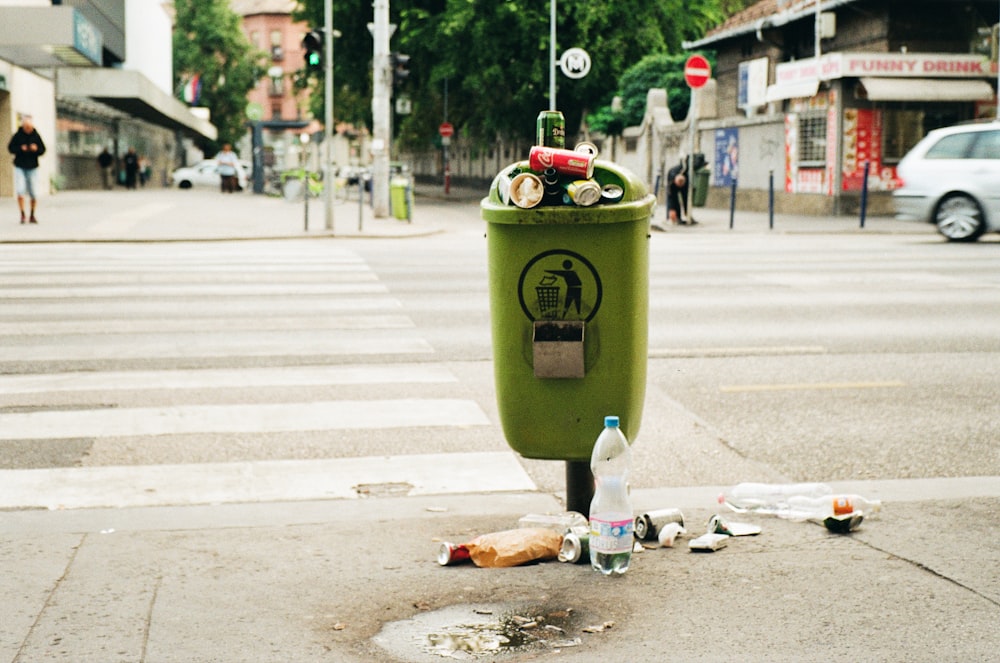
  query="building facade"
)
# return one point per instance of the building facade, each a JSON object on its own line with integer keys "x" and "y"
{"x": 827, "y": 95}
{"x": 93, "y": 74}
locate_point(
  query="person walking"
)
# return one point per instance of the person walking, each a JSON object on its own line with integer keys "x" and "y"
{"x": 104, "y": 162}
{"x": 26, "y": 146}
{"x": 228, "y": 163}
{"x": 131, "y": 168}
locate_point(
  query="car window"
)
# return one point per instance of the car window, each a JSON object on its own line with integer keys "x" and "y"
{"x": 987, "y": 145}
{"x": 955, "y": 146}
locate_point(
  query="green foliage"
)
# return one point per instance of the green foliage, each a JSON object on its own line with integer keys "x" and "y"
{"x": 209, "y": 42}
{"x": 493, "y": 55}
{"x": 653, "y": 71}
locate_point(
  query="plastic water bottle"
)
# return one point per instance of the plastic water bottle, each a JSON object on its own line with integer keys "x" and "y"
{"x": 611, "y": 520}
{"x": 797, "y": 501}
{"x": 830, "y": 506}
{"x": 769, "y": 498}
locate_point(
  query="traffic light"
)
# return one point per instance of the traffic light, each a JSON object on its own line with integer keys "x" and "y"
{"x": 400, "y": 69}
{"x": 312, "y": 43}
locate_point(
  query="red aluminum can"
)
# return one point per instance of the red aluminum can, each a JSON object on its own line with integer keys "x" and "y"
{"x": 452, "y": 553}
{"x": 565, "y": 162}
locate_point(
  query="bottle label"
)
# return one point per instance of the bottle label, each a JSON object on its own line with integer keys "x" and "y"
{"x": 611, "y": 536}
{"x": 843, "y": 506}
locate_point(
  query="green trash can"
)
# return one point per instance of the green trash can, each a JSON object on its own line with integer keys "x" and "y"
{"x": 569, "y": 306}
{"x": 699, "y": 194}
{"x": 398, "y": 197}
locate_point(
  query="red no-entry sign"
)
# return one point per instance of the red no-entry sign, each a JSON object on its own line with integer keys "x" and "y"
{"x": 697, "y": 71}
{"x": 447, "y": 129}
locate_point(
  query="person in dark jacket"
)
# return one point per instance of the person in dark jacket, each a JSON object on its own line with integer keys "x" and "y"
{"x": 131, "y": 161}
{"x": 26, "y": 146}
{"x": 104, "y": 162}
{"x": 677, "y": 191}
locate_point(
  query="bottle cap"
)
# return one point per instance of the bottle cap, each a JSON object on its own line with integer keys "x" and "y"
{"x": 611, "y": 421}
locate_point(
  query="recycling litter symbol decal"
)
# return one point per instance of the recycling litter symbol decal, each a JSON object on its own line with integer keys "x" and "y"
{"x": 560, "y": 285}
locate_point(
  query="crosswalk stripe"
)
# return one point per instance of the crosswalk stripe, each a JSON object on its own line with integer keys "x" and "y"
{"x": 221, "y": 344}
{"x": 259, "y": 481}
{"x": 224, "y": 306}
{"x": 248, "y": 418}
{"x": 165, "y": 325}
{"x": 223, "y": 378}
{"x": 199, "y": 290}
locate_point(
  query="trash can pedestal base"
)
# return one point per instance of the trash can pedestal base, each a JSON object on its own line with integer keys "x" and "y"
{"x": 579, "y": 486}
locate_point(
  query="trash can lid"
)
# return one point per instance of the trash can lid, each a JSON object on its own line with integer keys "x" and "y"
{"x": 636, "y": 202}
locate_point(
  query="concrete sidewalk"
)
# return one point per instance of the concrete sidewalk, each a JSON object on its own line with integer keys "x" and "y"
{"x": 356, "y": 580}
{"x": 201, "y": 215}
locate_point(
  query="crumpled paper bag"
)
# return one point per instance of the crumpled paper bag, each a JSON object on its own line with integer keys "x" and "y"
{"x": 514, "y": 547}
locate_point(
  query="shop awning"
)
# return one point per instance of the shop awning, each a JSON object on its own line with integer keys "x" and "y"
{"x": 133, "y": 94}
{"x": 925, "y": 89}
{"x": 797, "y": 90}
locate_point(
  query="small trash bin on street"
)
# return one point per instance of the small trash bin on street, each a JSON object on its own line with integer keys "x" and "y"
{"x": 569, "y": 303}
{"x": 399, "y": 197}
{"x": 699, "y": 194}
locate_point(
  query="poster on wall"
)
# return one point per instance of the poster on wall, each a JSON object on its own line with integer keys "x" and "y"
{"x": 863, "y": 144}
{"x": 727, "y": 149}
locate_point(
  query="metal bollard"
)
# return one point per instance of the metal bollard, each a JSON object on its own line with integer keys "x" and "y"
{"x": 770, "y": 199}
{"x": 732, "y": 203}
{"x": 864, "y": 193}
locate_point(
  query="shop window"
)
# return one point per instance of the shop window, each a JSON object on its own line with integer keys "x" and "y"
{"x": 901, "y": 130}
{"x": 812, "y": 139}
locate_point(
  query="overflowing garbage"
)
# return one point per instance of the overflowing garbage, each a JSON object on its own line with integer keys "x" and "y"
{"x": 567, "y": 536}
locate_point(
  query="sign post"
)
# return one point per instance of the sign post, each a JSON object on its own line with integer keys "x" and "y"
{"x": 697, "y": 71}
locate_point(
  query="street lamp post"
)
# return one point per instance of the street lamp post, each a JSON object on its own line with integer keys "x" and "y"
{"x": 328, "y": 115}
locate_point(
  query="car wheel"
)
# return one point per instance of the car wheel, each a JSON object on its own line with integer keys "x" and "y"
{"x": 959, "y": 218}
{"x": 184, "y": 184}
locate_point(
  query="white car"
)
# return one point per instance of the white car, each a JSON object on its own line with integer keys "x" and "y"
{"x": 951, "y": 178}
{"x": 206, "y": 173}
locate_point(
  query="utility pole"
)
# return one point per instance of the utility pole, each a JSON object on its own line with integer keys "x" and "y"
{"x": 381, "y": 93}
{"x": 552, "y": 55}
{"x": 328, "y": 115}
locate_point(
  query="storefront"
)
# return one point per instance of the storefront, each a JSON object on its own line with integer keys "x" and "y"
{"x": 868, "y": 109}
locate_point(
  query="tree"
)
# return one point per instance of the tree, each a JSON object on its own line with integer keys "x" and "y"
{"x": 653, "y": 71}
{"x": 494, "y": 57}
{"x": 209, "y": 44}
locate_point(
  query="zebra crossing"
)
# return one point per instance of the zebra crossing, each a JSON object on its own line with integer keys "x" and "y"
{"x": 169, "y": 342}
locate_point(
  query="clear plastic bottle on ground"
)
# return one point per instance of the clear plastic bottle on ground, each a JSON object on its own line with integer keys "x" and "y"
{"x": 611, "y": 518}
{"x": 797, "y": 501}
{"x": 769, "y": 497}
{"x": 830, "y": 506}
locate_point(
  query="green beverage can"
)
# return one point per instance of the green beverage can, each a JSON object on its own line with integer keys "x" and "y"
{"x": 551, "y": 129}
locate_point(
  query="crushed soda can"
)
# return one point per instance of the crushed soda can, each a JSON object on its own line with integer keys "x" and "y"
{"x": 526, "y": 190}
{"x": 450, "y": 554}
{"x": 648, "y": 525}
{"x": 845, "y": 523}
{"x": 575, "y": 546}
{"x": 719, "y": 525}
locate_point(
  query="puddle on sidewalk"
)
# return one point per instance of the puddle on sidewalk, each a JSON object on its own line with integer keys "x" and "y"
{"x": 469, "y": 632}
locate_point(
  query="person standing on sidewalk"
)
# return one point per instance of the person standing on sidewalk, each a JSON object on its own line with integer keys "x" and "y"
{"x": 104, "y": 162}
{"x": 131, "y": 162}
{"x": 227, "y": 168}
{"x": 26, "y": 146}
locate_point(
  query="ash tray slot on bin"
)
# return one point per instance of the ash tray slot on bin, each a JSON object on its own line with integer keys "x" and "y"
{"x": 558, "y": 348}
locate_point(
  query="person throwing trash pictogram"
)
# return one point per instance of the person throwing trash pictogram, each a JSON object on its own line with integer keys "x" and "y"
{"x": 574, "y": 286}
